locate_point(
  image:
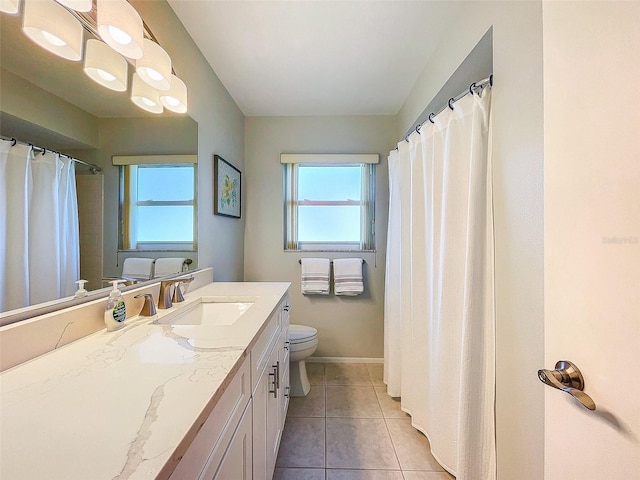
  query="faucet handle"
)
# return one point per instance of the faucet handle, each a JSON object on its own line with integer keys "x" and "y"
{"x": 149, "y": 307}
{"x": 178, "y": 294}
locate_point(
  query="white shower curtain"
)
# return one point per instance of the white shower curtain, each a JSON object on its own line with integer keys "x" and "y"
{"x": 39, "y": 236}
{"x": 439, "y": 296}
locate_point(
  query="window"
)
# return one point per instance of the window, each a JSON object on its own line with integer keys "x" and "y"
{"x": 158, "y": 207}
{"x": 329, "y": 206}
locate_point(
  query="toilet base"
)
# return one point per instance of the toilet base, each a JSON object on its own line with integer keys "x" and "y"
{"x": 298, "y": 379}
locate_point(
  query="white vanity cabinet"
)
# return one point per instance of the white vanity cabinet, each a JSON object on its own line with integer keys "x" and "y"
{"x": 223, "y": 443}
{"x": 270, "y": 359}
{"x": 240, "y": 438}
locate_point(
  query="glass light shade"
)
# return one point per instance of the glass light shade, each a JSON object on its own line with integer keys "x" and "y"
{"x": 120, "y": 27}
{"x": 52, "y": 27}
{"x": 145, "y": 96}
{"x": 105, "y": 65}
{"x": 175, "y": 99}
{"x": 155, "y": 65}
{"x": 9, "y": 6}
{"x": 77, "y": 5}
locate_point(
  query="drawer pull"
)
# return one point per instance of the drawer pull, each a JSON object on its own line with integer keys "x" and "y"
{"x": 274, "y": 382}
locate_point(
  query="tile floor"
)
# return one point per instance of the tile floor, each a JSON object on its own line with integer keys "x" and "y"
{"x": 348, "y": 428}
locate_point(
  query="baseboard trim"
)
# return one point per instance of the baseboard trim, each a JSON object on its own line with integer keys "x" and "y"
{"x": 344, "y": 360}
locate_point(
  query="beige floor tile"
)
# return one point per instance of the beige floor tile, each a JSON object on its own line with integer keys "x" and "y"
{"x": 412, "y": 475}
{"x": 350, "y": 401}
{"x": 299, "y": 474}
{"x": 364, "y": 475}
{"x": 312, "y": 405}
{"x": 390, "y": 406}
{"x": 412, "y": 447}
{"x": 376, "y": 374}
{"x": 347, "y": 374}
{"x": 303, "y": 443}
{"x": 359, "y": 443}
{"x": 315, "y": 372}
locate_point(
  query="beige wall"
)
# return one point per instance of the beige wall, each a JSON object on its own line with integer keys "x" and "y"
{"x": 347, "y": 327}
{"x": 518, "y": 196}
{"x": 220, "y": 131}
{"x": 42, "y": 117}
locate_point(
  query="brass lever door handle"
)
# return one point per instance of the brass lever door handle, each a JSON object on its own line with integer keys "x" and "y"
{"x": 567, "y": 377}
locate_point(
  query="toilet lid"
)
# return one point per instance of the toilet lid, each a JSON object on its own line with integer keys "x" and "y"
{"x": 301, "y": 333}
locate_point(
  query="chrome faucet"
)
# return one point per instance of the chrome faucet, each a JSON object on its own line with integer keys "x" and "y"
{"x": 164, "y": 300}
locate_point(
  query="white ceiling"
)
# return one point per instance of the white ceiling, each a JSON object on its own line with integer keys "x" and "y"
{"x": 317, "y": 57}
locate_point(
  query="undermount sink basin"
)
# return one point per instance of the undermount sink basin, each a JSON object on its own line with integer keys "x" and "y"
{"x": 210, "y": 311}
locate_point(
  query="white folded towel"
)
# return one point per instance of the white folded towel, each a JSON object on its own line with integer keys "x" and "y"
{"x": 167, "y": 266}
{"x": 315, "y": 276}
{"x": 347, "y": 273}
{"x": 137, "y": 268}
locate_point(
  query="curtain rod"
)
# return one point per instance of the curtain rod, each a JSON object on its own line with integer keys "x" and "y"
{"x": 92, "y": 168}
{"x": 475, "y": 85}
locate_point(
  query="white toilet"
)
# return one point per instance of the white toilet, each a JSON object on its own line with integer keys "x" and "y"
{"x": 303, "y": 341}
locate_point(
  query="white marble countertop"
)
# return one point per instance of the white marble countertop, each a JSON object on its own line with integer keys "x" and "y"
{"x": 115, "y": 405}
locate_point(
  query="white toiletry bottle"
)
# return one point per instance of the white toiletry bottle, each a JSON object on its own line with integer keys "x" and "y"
{"x": 81, "y": 292}
{"x": 115, "y": 312}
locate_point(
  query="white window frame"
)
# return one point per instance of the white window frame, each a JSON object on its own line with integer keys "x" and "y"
{"x": 292, "y": 163}
{"x": 129, "y": 203}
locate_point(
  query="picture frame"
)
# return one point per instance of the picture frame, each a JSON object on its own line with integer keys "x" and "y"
{"x": 227, "y": 188}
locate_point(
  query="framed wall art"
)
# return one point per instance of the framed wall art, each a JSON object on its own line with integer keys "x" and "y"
{"x": 227, "y": 188}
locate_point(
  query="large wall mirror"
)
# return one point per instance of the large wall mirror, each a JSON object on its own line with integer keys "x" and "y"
{"x": 50, "y": 102}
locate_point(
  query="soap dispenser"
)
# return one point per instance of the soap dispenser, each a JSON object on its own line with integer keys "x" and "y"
{"x": 81, "y": 292}
{"x": 115, "y": 311}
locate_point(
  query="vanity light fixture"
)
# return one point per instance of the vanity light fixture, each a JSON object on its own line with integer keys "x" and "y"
{"x": 105, "y": 66}
{"x": 9, "y": 6}
{"x": 53, "y": 27}
{"x": 155, "y": 65}
{"x": 144, "y": 95}
{"x": 175, "y": 99}
{"x": 77, "y": 5}
{"x": 120, "y": 27}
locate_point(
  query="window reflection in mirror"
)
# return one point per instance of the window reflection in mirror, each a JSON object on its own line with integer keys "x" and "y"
{"x": 158, "y": 207}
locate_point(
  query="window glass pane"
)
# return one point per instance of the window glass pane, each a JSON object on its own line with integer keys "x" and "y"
{"x": 329, "y": 182}
{"x": 329, "y": 224}
{"x": 165, "y": 224}
{"x": 165, "y": 183}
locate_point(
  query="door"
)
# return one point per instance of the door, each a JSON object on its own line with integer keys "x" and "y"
{"x": 592, "y": 235}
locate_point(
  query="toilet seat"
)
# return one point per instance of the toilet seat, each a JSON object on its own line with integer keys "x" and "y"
{"x": 299, "y": 334}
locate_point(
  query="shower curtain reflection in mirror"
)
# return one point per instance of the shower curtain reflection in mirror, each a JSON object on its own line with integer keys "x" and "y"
{"x": 37, "y": 194}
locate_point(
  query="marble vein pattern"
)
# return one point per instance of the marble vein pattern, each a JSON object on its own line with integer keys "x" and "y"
{"x": 114, "y": 405}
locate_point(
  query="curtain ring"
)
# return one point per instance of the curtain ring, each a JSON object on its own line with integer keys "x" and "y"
{"x": 450, "y": 103}
{"x": 491, "y": 80}
{"x": 14, "y": 142}
{"x": 471, "y": 87}
{"x": 418, "y": 127}
{"x": 44, "y": 151}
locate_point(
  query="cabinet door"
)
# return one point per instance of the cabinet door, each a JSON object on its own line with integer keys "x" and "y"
{"x": 274, "y": 429}
{"x": 284, "y": 389}
{"x": 265, "y": 419}
{"x": 237, "y": 459}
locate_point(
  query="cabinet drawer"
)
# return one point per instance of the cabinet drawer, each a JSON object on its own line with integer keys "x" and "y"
{"x": 262, "y": 348}
{"x": 224, "y": 418}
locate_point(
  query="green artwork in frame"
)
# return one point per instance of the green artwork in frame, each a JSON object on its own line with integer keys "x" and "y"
{"x": 227, "y": 188}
